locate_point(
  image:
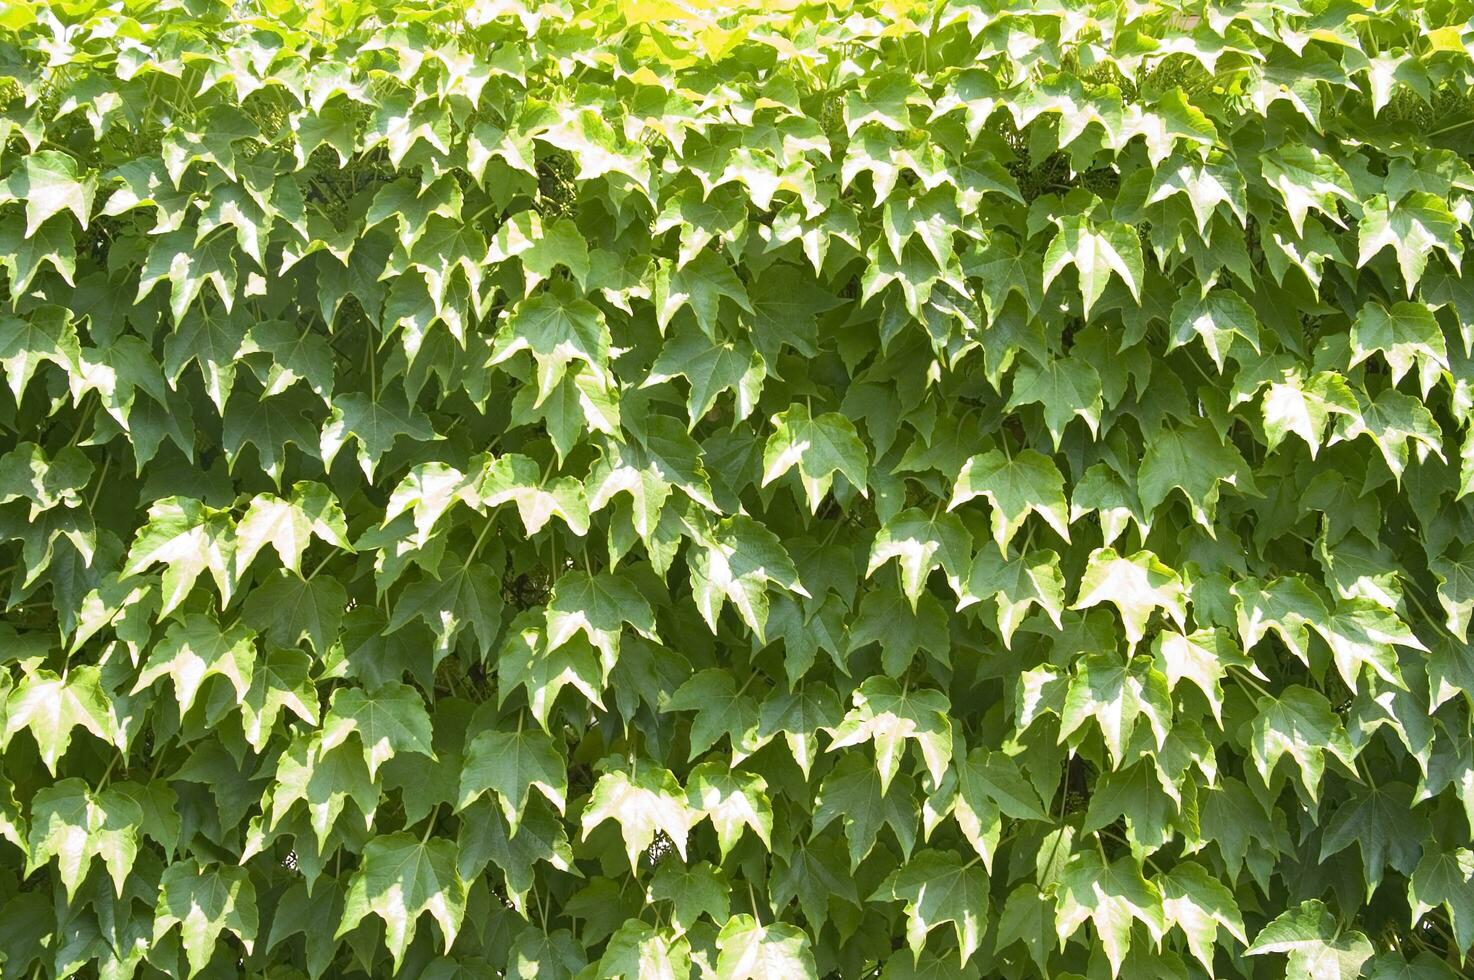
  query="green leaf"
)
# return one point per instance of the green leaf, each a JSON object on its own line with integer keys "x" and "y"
{"x": 1135, "y": 586}
{"x": 938, "y": 888}
{"x": 819, "y": 447}
{"x": 50, "y": 707}
{"x": 1014, "y": 486}
{"x": 642, "y": 803}
{"x": 400, "y": 878}
{"x": 196, "y": 649}
{"x": 1111, "y": 896}
{"x": 1316, "y": 944}
{"x": 750, "y": 951}
{"x": 205, "y": 902}
{"x": 1299, "y": 723}
{"x": 511, "y": 764}
{"x": 1446, "y": 879}
{"x": 888, "y": 715}
{"x": 388, "y": 720}
{"x": 1096, "y": 251}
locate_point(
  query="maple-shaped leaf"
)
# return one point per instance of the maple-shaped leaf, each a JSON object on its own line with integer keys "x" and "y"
{"x": 324, "y": 782}
{"x": 1195, "y": 461}
{"x": 1304, "y": 406}
{"x": 1216, "y": 317}
{"x": 700, "y": 284}
{"x": 1317, "y": 945}
{"x": 1299, "y": 723}
{"x": 886, "y": 617}
{"x": 736, "y": 564}
{"x": 1096, "y": 251}
{"x": 710, "y": 367}
{"x": 751, "y": 951}
{"x": 388, "y": 720}
{"x": 50, "y": 707}
{"x": 887, "y": 714}
{"x": 1287, "y": 605}
{"x": 641, "y": 803}
{"x": 1456, "y": 589}
{"x": 694, "y": 890}
{"x": 799, "y": 716}
{"x": 1064, "y": 388}
{"x": 205, "y": 901}
{"x": 820, "y": 447}
{"x": 921, "y": 543}
{"x": 73, "y": 824}
{"x": 288, "y": 525}
{"x": 43, "y": 336}
{"x": 1111, "y": 896}
{"x": 280, "y": 680}
{"x": 399, "y": 878}
{"x": 188, "y": 538}
{"x": 1406, "y": 335}
{"x": 1196, "y": 902}
{"x": 1117, "y": 696}
{"x": 851, "y": 793}
{"x": 637, "y": 950}
{"x": 1028, "y": 481}
{"x": 938, "y": 888}
{"x": 990, "y": 785}
{"x": 556, "y": 328}
{"x": 1360, "y": 632}
{"x": 721, "y": 709}
{"x": 511, "y": 764}
{"x": 1017, "y": 585}
{"x": 517, "y": 479}
{"x": 1135, "y": 585}
{"x": 1445, "y": 878}
{"x": 525, "y": 661}
{"x": 195, "y": 649}
{"x": 285, "y": 608}
{"x": 598, "y": 606}
{"x": 733, "y": 800}
{"x": 1413, "y": 227}
{"x": 375, "y": 424}
{"x": 1381, "y": 821}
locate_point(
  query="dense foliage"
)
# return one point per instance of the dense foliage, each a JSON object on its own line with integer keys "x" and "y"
{"x": 636, "y": 489}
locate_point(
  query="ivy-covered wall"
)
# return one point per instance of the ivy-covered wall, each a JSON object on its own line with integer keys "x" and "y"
{"x": 645, "y": 488}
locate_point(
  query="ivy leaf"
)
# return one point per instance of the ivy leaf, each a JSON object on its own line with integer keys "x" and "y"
{"x": 512, "y": 764}
{"x": 598, "y": 606}
{"x": 1111, "y": 896}
{"x": 204, "y": 902}
{"x": 1316, "y": 944}
{"x": 1199, "y": 904}
{"x": 1095, "y": 251}
{"x": 50, "y": 707}
{"x": 1216, "y": 317}
{"x": 71, "y": 823}
{"x": 642, "y": 803}
{"x": 389, "y": 720}
{"x": 737, "y": 564}
{"x": 733, "y": 800}
{"x": 938, "y": 888}
{"x": 1014, "y": 486}
{"x": 1413, "y": 227}
{"x": 1064, "y": 387}
{"x": 710, "y": 368}
{"x": 195, "y": 649}
{"x": 819, "y": 447}
{"x": 1299, "y": 723}
{"x": 188, "y": 538}
{"x": 750, "y": 951}
{"x": 920, "y": 544}
{"x": 1406, "y": 335}
{"x": 1135, "y": 586}
{"x": 401, "y": 878}
{"x": 556, "y": 329}
{"x": 887, "y": 715}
